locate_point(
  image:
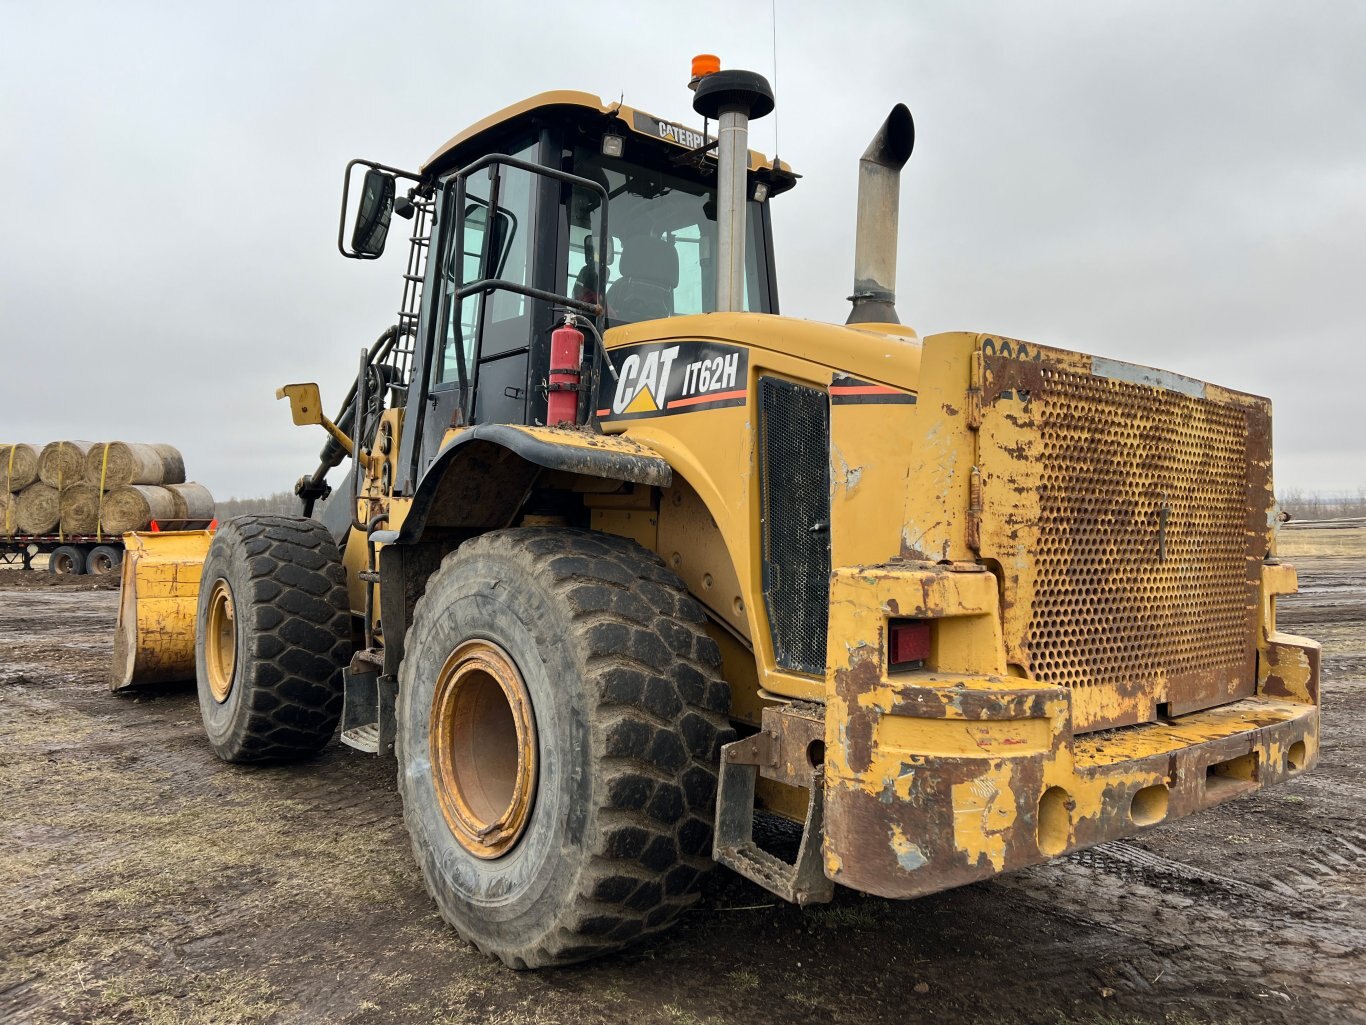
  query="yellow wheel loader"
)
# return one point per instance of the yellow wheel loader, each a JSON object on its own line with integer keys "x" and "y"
{"x": 624, "y": 557}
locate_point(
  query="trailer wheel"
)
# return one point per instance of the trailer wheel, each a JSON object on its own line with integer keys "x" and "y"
{"x": 560, "y": 719}
{"x": 66, "y": 561}
{"x": 103, "y": 559}
{"x": 271, "y": 636}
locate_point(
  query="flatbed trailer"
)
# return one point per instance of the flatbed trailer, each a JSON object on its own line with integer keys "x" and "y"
{"x": 68, "y": 554}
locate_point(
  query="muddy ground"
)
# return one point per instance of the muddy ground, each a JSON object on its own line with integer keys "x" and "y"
{"x": 143, "y": 881}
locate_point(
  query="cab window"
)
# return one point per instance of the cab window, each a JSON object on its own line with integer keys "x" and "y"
{"x": 662, "y": 250}
{"x": 506, "y": 255}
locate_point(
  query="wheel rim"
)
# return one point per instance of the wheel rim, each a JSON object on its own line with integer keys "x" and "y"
{"x": 483, "y": 748}
{"x": 220, "y": 641}
{"x": 65, "y": 564}
{"x": 101, "y": 563}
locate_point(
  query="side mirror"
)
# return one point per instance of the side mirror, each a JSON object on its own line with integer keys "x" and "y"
{"x": 373, "y": 214}
{"x": 377, "y": 205}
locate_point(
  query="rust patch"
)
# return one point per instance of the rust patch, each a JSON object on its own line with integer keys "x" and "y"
{"x": 1129, "y": 523}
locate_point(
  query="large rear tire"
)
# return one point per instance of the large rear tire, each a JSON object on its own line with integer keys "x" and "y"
{"x": 271, "y": 637}
{"x": 561, "y": 715}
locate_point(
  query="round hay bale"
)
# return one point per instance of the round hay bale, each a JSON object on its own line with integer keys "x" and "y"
{"x": 62, "y": 463}
{"x": 38, "y": 509}
{"x": 80, "y": 506}
{"x": 9, "y": 524}
{"x": 116, "y": 463}
{"x": 172, "y": 464}
{"x": 194, "y": 506}
{"x": 18, "y": 466}
{"x": 133, "y": 506}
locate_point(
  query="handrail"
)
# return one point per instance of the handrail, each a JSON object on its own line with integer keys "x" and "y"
{"x": 456, "y": 182}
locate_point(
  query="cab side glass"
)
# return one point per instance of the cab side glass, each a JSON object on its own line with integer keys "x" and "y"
{"x": 497, "y": 245}
{"x": 373, "y": 213}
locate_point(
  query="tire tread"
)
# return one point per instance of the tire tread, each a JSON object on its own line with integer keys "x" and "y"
{"x": 301, "y": 627}
{"x": 630, "y": 616}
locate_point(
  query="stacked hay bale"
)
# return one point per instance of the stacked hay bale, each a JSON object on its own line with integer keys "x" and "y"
{"x": 18, "y": 469}
{"x": 19, "y": 464}
{"x": 179, "y": 506}
{"x": 83, "y": 488}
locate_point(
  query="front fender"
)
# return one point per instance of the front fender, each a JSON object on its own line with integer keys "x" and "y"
{"x": 481, "y": 476}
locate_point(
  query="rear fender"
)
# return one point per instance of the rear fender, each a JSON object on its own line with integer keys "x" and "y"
{"x": 479, "y": 482}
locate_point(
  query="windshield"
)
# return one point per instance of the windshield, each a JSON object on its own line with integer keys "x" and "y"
{"x": 662, "y": 247}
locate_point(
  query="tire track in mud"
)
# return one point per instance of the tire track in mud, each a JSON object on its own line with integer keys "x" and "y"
{"x": 1197, "y": 931}
{"x": 1296, "y": 890}
{"x": 1349, "y": 788}
{"x": 1165, "y": 875}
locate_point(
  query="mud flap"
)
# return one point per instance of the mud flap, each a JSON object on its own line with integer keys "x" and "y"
{"x": 804, "y": 881}
{"x": 368, "y": 715}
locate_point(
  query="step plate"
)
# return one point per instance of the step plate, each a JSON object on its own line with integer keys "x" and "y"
{"x": 363, "y": 738}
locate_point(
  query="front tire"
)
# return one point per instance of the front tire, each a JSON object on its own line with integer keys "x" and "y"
{"x": 561, "y": 716}
{"x": 271, "y": 637}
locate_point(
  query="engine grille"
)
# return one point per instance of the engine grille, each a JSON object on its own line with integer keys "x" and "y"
{"x": 1107, "y": 605}
{"x": 794, "y": 476}
{"x": 1127, "y": 517}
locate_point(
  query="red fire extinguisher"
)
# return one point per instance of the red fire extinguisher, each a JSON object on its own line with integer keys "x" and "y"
{"x": 566, "y": 357}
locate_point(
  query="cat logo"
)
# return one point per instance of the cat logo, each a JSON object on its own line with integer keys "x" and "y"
{"x": 643, "y": 383}
{"x": 659, "y": 379}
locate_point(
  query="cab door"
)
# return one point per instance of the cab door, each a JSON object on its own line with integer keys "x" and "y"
{"x": 479, "y": 373}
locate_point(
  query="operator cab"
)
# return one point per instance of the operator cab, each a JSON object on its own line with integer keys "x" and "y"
{"x": 531, "y": 238}
{"x": 659, "y": 245}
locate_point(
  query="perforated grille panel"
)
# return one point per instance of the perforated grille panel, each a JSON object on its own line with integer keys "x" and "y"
{"x": 1110, "y": 605}
{"x": 794, "y": 476}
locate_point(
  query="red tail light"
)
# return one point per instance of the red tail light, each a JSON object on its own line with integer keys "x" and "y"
{"x": 908, "y": 640}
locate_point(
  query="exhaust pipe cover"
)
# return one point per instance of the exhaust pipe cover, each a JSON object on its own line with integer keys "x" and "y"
{"x": 879, "y": 192}
{"x": 732, "y": 99}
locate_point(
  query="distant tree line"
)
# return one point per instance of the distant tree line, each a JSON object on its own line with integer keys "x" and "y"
{"x": 282, "y": 503}
{"x": 1318, "y": 505}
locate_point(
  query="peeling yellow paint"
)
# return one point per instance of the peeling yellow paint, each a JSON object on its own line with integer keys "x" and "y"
{"x": 983, "y": 812}
{"x": 901, "y": 736}
{"x": 908, "y": 855}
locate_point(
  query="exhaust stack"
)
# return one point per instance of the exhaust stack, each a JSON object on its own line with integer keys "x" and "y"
{"x": 732, "y": 99}
{"x": 879, "y": 191}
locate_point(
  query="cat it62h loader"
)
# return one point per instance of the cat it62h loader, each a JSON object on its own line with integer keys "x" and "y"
{"x": 623, "y": 555}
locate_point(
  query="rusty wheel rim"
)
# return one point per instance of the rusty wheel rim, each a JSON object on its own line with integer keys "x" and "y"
{"x": 483, "y": 748}
{"x": 220, "y": 641}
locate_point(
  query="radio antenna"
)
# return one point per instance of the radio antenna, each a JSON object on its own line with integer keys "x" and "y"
{"x": 773, "y": 18}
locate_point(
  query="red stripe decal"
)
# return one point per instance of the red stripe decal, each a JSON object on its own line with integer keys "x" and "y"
{"x": 717, "y": 397}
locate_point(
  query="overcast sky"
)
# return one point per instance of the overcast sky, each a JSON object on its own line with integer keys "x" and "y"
{"x": 1180, "y": 184}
